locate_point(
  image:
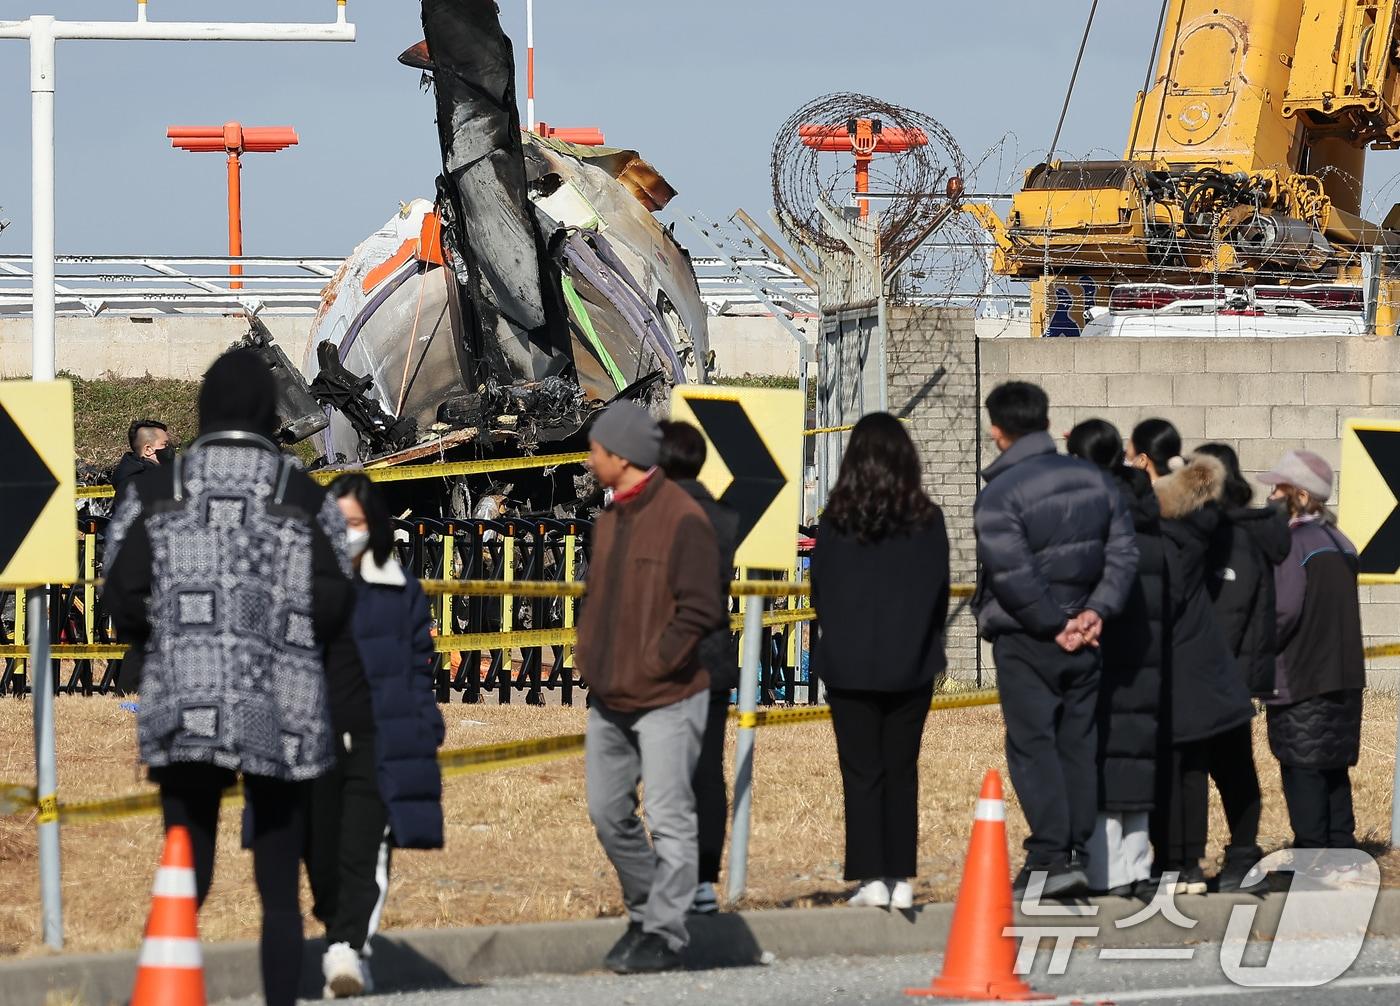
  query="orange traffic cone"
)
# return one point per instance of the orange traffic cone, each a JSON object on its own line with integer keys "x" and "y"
{"x": 979, "y": 962}
{"x": 171, "y": 970}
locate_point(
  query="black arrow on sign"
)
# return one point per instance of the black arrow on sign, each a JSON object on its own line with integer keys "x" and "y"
{"x": 26, "y": 485}
{"x": 757, "y": 478}
{"x": 1382, "y": 552}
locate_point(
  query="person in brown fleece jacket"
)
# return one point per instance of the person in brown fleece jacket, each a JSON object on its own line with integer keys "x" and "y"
{"x": 653, "y": 594}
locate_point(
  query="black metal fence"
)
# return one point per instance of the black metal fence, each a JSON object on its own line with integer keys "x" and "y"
{"x": 504, "y": 551}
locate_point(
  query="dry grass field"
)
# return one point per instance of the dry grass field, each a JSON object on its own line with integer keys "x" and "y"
{"x": 519, "y": 845}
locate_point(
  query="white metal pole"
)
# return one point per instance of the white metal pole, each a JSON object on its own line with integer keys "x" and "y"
{"x": 1395, "y": 795}
{"x": 743, "y": 755}
{"x": 530, "y": 63}
{"x": 41, "y": 691}
{"x": 41, "y": 86}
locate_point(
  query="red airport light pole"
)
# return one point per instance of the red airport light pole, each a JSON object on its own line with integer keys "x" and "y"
{"x": 865, "y": 138}
{"x": 233, "y": 139}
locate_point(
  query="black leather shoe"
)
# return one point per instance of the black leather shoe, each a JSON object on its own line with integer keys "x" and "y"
{"x": 617, "y": 956}
{"x": 1239, "y": 860}
{"x": 649, "y": 955}
{"x": 1062, "y": 880}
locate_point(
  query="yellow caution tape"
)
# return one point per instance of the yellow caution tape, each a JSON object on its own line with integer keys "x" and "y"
{"x": 493, "y": 756}
{"x": 48, "y": 809}
{"x": 451, "y": 469}
{"x": 1383, "y": 650}
{"x": 15, "y": 798}
{"x": 94, "y": 492}
{"x": 814, "y": 714}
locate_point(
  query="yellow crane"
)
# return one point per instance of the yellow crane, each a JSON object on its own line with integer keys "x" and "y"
{"x": 1240, "y": 183}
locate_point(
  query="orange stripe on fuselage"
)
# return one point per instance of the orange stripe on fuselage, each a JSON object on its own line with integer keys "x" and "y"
{"x": 427, "y": 247}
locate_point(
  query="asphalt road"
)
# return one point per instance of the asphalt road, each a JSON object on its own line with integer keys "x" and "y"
{"x": 1374, "y": 978}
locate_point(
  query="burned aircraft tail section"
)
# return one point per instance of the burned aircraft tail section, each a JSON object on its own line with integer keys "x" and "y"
{"x": 513, "y": 311}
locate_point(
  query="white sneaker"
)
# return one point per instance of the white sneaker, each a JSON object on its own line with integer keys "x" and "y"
{"x": 901, "y": 895}
{"x": 872, "y": 894}
{"x": 344, "y": 971}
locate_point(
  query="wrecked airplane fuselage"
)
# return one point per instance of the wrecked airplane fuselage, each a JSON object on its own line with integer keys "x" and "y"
{"x": 536, "y": 287}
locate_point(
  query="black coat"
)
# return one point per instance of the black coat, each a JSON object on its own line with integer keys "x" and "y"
{"x": 1246, "y": 546}
{"x": 1134, "y": 649}
{"x": 1053, "y": 538}
{"x": 1315, "y": 721}
{"x": 129, "y": 467}
{"x": 881, "y": 609}
{"x": 1208, "y": 694}
{"x": 718, "y": 653}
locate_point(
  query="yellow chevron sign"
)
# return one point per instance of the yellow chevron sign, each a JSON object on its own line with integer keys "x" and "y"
{"x": 754, "y": 463}
{"x": 1370, "y": 506}
{"x": 36, "y": 484}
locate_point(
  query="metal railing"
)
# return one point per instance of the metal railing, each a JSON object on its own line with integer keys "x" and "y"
{"x": 90, "y": 285}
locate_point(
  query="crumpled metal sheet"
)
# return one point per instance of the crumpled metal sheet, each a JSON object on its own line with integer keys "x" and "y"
{"x": 516, "y": 312}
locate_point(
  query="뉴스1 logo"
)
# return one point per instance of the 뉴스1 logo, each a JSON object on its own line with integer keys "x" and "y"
{"x": 1319, "y": 935}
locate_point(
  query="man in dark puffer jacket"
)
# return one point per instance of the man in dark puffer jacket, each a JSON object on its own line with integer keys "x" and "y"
{"x": 1058, "y": 555}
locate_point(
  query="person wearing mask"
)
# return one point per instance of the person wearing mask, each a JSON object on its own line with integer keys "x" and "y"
{"x": 682, "y": 456}
{"x": 880, "y": 586}
{"x": 1059, "y": 556}
{"x": 1247, "y": 545}
{"x": 1208, "y": 695}
{"x": 653, "y": 595}
{"x": 1315, "y": 714}
{"x": 150, "y": 446}
{"x": 1134, "y": 654}
{"x": 228, "y": 570}
{"x": 385, "y": 789}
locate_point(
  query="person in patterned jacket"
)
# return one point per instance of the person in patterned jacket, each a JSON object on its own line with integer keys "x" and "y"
{"x": 227, "y": 572}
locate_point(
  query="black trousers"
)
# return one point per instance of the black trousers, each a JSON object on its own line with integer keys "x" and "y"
{"x": 878, "y": 735}
{"x": 1231, "y": 763}
{"x": 1319, "y": 807}
{"x": 1182, "y": 816}
{"x": 189, "y": 796}
{"x": 711, "y": 798}
{"x": 1049, "y": 700}
{"x": 347, "y": 845}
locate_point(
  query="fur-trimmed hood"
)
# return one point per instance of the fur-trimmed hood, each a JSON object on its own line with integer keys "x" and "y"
{"x": 1188, "y": 489}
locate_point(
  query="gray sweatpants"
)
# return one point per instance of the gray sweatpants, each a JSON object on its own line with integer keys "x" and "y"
{"x": 657, "y": 748}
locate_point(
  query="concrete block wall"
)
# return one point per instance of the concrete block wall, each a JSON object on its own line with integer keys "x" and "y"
{"x": 1260, "y": 396}
{"x": 943, "y": 422}
{"x": 173, "y": 347}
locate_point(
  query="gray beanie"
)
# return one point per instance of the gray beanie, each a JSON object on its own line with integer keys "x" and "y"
{"x": 629, "y": 432}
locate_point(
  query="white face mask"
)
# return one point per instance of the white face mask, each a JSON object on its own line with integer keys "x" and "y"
{"x": 356, "y": 542}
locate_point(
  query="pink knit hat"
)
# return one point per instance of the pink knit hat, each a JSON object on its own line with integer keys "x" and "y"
{"x": 1305, "y": 470}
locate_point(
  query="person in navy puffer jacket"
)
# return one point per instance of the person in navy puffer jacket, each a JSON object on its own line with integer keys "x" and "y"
{"x": 1058, "y": 556}
{"x": 385, "y": 790}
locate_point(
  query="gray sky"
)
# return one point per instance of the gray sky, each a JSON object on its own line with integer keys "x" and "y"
{"x": 698, "y": 87}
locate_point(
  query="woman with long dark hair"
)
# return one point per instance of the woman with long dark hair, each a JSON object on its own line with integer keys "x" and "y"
{"x": 880, "y": 590}
{"x": 1249, "y": 542}
{"x": 385, "y": 789}
{"x": 1208, "y": 695}
{"x": 1134, "y": 652}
